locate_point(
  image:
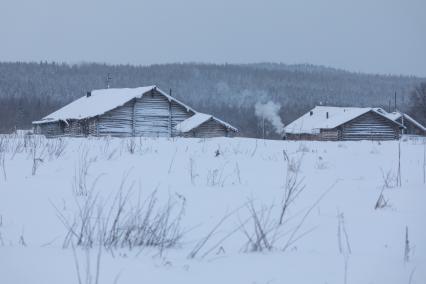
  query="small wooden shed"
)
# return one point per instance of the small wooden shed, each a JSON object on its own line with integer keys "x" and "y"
{"x": 203, "y": 125}
{"x": 411, "y": 126}
{"x": 143, "y": 111}
{"x": 343, "y": 123}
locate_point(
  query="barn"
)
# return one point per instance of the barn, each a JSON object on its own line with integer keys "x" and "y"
{"x": 411, "y": 126}
{"x": 343, "y": 123}
{"x": 142, "y": 111}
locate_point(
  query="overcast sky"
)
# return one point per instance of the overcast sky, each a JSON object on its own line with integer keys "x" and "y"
{"x": 375, "y": 36}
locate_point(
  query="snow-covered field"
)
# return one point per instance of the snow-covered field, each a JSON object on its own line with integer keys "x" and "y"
{"x": 215, "y": 211}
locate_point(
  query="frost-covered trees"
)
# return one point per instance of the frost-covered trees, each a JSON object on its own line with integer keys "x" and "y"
{"x": 418, "y": 102}
{"x": 29, "y": 91}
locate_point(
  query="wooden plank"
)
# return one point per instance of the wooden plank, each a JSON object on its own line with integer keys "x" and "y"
{"x": 209, "y": 129}
{"x": 152, "y": 116}
{"x": 117, "y": 122}
{"x": 369, "y": 126}
{"x": 178, "y": 114}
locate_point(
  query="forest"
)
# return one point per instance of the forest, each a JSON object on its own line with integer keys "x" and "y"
{"x": 232, "y": 92}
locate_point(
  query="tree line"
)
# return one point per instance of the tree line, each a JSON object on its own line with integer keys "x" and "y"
{"x": 29, "y": 91}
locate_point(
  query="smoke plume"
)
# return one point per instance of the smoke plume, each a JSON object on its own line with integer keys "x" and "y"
{"x": 269, "y": 111}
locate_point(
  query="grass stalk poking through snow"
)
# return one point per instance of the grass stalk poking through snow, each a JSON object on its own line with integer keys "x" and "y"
{"x": 406, "y": 247}
{"x": 343, "y": 242}
{"x": 119, "y": 223}
{"x": 293, "y": 185}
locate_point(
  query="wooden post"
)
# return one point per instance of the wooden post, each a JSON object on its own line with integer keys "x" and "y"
{"x": 398, "y": 176}
{"x": 395, "y": 101}
{"x": 133, "y": 118}
{"x": 424, "y": 162}
{"x": 170, "y": 116}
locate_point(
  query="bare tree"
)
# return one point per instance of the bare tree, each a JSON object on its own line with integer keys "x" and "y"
{"x": 418, "y": 102}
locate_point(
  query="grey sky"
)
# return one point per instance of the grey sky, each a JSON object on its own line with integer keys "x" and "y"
{"x": 375, "y": 36}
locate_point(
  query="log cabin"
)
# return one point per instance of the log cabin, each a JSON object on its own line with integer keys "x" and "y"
{"x": 343, "y": 123}
{"x": 143, "y": 111}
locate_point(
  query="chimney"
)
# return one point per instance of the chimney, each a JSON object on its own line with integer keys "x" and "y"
{"x": 311, "y": 113}
{"x": 88, "y": 94}
{"x": 326, "y": 114}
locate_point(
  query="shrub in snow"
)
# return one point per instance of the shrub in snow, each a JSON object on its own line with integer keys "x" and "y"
{"x": 261, "y": 229}
{"x": 81, "y": 173}
{"x": 120, "y": 223}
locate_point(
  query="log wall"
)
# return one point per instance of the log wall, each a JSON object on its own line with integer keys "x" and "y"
{"x": 74, "y": 128}
{"x": 209, "y": 129}
{"x": 116, "y": 122}
{"x": 370, "y": 126}
{"x": 152, "y": 116}
{"x": 50, "y": 129}
{"x": 330, "y": 135}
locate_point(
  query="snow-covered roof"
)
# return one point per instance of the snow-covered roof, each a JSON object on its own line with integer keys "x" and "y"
{"x": 101, "y": 101}
{"x": 198, "y": 119}
{"x": 393, "y": 115}
{"x": 397, "y": 115}
{"x": 412, "y": 120}
{"x": 317, "y": 119}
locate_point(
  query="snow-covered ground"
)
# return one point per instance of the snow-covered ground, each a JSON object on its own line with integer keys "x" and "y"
{"x": 213, "y": 186}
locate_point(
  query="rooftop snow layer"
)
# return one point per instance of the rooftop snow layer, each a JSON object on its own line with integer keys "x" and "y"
{"x": 397, "y": 115}
{"x": 317, "y": 119}
{"x": 198, "y": 119}
{"x": 99, "y": 102}
{"x": 406, "y": 116}
{"x": 193, "y": 122}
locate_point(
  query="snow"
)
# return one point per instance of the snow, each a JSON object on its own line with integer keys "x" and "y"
{"x": 212, "y": 185}
{"x": 311, "y": 124}
{"x": 101, "y": 101}
{"x": 192, "y": 122}
{"x": 391, "y": 115}
{"x": 406, "y": 116}
{"x": 197, "y": 120}
{"x": 395, "y": 115}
